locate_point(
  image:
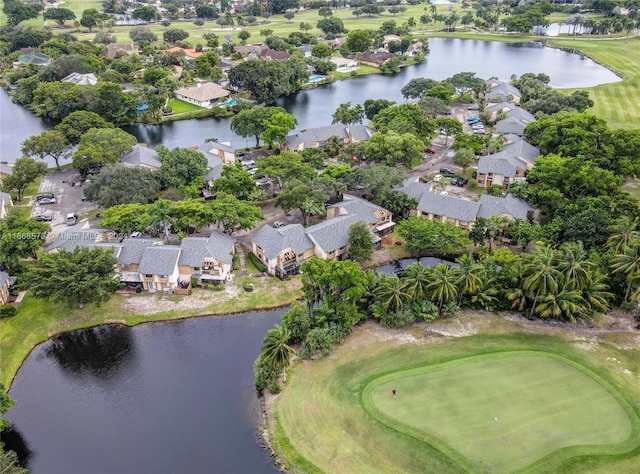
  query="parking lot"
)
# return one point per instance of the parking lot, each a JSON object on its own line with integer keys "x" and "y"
{"x": 68, "y": 191}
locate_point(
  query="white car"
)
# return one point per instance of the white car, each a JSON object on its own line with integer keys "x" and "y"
{"x": 263, "y": 182}
{"x": 444, "y": 193}
{"x": 437, "y": 178}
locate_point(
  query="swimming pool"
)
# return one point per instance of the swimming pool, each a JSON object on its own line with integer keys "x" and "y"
{"x": 228, "y": 103}
{"x": 316, "y": 78}
{"x": 346, "y": 69}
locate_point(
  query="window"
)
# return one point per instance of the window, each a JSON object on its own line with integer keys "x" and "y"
{"x": 196, "y": 269}
{"x": 149, "y": 276}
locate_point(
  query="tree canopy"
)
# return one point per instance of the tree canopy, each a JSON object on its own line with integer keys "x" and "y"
{"x": 180, "y": 166}
{"x": 100, "y": 146}
{"x": 120, "y": 184}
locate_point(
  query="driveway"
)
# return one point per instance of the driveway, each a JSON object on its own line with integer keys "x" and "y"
{"x": 65, "y": 185}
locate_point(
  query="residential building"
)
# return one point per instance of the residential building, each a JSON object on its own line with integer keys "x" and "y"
{"x": 81, "y": 79}
{"x": 114, "y": 49}
{"x": 283, "y": 250}
{"x": 203, "y": 94}
{"x": 130, "y": 257}
{"x": 142, "y": 156}
{"x": 5, "y": 282}
{"x": 217, "y": 154}
{"x": 81, "y": 235}
{"x": 158, "y": 268}
{"x": 339, "y": 61}
{"x": 499, "y": 91}
{"x": 208, "y": 260}
{"x": 37, "y": 59}
{"x": 508, "y": 206}
{"x": 375, "y": 59}
{"x": 273, "y": 54}
{"x": 6, "y": 203}
{"x": 5, "y": 169}
{"x": 508, "y": 166}
{"x": 317, "y": 137}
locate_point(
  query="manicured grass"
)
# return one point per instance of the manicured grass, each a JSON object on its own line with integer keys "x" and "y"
{"x": 37, "y": 320}
{"x": 617, "y": 103}
{"x": 500, "y": 412}
{"x": 338, "y": 415}
{"x": 180, "y": 106}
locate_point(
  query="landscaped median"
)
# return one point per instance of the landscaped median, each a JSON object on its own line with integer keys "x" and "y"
{"x": 511, "y": 402}
{"x": 38, "y": 320}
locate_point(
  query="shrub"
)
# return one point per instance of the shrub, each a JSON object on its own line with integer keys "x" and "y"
{"x": 236, "y": 262}
{"x": 274, "y": 387}
{"x": 450, "y": 309}
{"x": 494, "y": 190}
{"x": 317, "y": 343}
{"x": 425, "y": 310}
{"x": 217, "y": 287}
{"x": 264, "y": 374}
{"x": 297, "y": 321}
{"x": 256, "y": 262}
{"x": 247, "y": 286}
{"x": 8, "y": 311}
{"x": 194, "y": 282}
{"x": 398, "y": 319}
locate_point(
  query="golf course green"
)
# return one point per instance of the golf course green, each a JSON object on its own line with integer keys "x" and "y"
{"x": 502, "y": 411}
{"x": 501, "y": 398}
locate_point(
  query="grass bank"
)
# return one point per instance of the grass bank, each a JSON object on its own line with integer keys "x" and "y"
{"x": 37, "y": 320}
{"x": 324, "y": 420}
{"x": 618, "y": 103}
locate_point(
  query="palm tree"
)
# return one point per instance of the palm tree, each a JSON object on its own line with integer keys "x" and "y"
{"x": 574, "y": 265}
{"x": 541, "y": 274}
{"x": 470, "y": 276}
{"x": 485, "y": 297}
{"x": 595, "y": 293}
{"x": 628, "y": 263}
{"x": 425, "y": 20}
{"x": 391, "y": 293}
{"x": 564, "y": 305}
{"x": 443, "y": 285}
{"x": 624, "y": 232}
{"x": 161, "y": 215}
{"x": 275, "y": 350}
{"x": 415, "y": 280}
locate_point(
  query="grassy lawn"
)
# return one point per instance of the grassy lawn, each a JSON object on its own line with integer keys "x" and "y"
{"x": 37, "y": 320}
{"x": 180, "y": 106}
{"x": 632, "y": 186}
{"x": 560, "y": 407}
{"x": 617, "y": 103}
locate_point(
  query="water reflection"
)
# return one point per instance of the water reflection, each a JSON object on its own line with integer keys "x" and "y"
{"x": 401, "y": 265}
{"x": 98, "y": 351}
{"x": 14, "y": 441}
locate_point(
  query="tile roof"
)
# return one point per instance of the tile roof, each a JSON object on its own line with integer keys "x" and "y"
{"x": 273, "y": 241}
{"x": 203, "y": 91}
{"x": 500, "y": 163}
{"x": 332, "y": 234}
{"x": 159, "y": 260}
{"x": 376, "y": 58}
{"x": 501, "y": 106}
{"x": 82, "y": 79}
{"x": 196, "y": 249}
{"x": 511, "y": 125}
{"x": 497, "y": 206}
{"x": 142, "y": 155}
{"x": 322, "y": 134}
{"x": 502, "y": 89}
{"x": 449, "y": 206}
{"x": 133, "y": 249}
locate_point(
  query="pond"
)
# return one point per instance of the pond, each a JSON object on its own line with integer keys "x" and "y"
{"x": 314, "y": 107}
{"x": 401, "y": 265}
{"x": 158, "y": 397}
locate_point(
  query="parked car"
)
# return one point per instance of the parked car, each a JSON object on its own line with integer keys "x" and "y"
{"x": 454, "y": 180}
{"x": 462, "y": 181}
{"x": 473, "y": 119}
{"x": 473, "y": 107}
{"x": 437, "y": 178}
{"x": 72, "y": 218}
{"x": 94, "y": 170}
{"x": 240, "y": 154}
{"x": 136, "y": 235}
{"x": 430, "y": 150}
{"x": 263, "y": 182}
{"x": 447, "y": 171}
{"x": 43, "y": 218}
{"x": 278, "y": 224}
{"x": 44, "y": 196}
{"x": 444, "y": 193}
{"x": 44, "y": 201}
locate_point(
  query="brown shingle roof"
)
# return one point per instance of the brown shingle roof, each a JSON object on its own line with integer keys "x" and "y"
{"x": 203, "y": 91}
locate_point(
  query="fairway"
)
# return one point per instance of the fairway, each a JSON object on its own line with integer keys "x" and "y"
{"x": 501, "y": 411}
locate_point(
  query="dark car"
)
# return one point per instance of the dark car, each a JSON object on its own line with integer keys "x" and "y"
{"x": 94, "y": 170}
{"x": 44, "y": 196}
{"x": 462, "y": 181}
{"x": 430, "y": 150}
{"x": 43, "y": 218}
{"x": 447, "y": 171}
{"x": 44, "y": 201}
{"x": 454, "y": 180}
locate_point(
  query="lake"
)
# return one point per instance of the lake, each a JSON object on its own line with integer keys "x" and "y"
{"x": 158, "y": 397}
{"x": 314, "y": 107}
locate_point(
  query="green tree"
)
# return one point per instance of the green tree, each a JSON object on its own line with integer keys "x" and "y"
{"x": 465, "y": 82}
{"x": 541, "y": 275}
{"x": 360, "y": 241}
{"x": 126, "y": 218}
{"x": 285, "y": 167}
{"x": 416, "y": 88}
{"x": 9, "y": 463}
{"x": 305, "y": 196}
{"x": 15, "y": 245}
{"x": 391, "y": 293}
{"x": 235, "y": 180}
{"x": 298, "y": 321}
{"x": 321, "y": 50}
{"x": 628, "y": 265}
{"x": 92, "y": 17}
{"x": 359, "y": 41}
{"x": 433, "y": 106}
{"x": 59, "y": 15}
{"x": 422, "y": 234}
{"x": 142, "y": 35}
{"x": 160, "y": 214}
{"x": 276, "y": 351}
{"x": 147, "y": 13}
{"x": 373, "y": 106}
{"x": 24, "y": 172}
{"x": 232, "y": 214}
{"x": 415, "y": 279}
{"x": 277, "y": 126}
{"x": 441, "y": 91}
{"x": 18, "y": 12}
{"x": 394, "y": 149}
{"x": 180, "y": 166}
{"x": 191, "y": 214}
{"x": 100, "y": 146}
{"x": 333, "y": 25}
{"x": 120, "y": 184}
{"x": 75, "y": 278}
{"x": 442, "y": 286}
{"x": 464, "y": 158}
{"x": 76, "y": 124}
{"x": 625, "y": 232}
{"x": 251, "y": 122}
{"x": 404, "y": 118}
{"x": 347, "y": 115}
{"x": 173, "y": 35}
{"x": 49, "y": 143}
{"x": 470, "y": 276}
